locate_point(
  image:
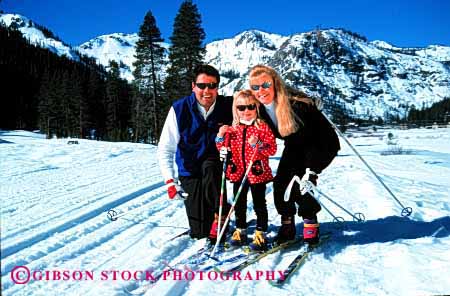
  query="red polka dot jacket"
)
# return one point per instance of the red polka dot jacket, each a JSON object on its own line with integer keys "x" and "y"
{"x": 240, "y": 153}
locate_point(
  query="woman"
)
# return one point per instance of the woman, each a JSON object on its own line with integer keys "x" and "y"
{"x": 309, "y": 142}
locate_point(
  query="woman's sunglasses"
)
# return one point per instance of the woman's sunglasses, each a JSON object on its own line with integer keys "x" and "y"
{"x": 211, "y": 85}
{"x": 243, "y": 107}
{"x": 265, "y": 85}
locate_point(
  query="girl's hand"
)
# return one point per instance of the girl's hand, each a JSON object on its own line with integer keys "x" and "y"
{"x": 222, "y": 130}
{"x": 253, "y": 140}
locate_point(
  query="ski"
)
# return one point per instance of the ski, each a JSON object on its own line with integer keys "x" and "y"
{"x": 191, "y": 263}
{"x": 254, "y": 257}
{"x": 180, "y": 234}
{"x": 298, "y": 261}
{"x": 192, "y": 259}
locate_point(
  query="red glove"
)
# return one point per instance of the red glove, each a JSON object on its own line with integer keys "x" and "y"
{"x": 175, "y": 191}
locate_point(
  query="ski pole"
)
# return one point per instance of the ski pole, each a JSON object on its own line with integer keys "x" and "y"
{"x": 314, "y": 191}
{"x": 336, "y": 219}
{"x": 406, "y": 211}
{"x": 358, "y": 217}
{"x": 113, "y": 215}
{"x": 223, "y": 183}
{"x": 234, "y": 202}
{"x": 287, "y": 195}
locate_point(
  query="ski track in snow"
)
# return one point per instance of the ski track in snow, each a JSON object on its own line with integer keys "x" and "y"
{"x": 55, "y": 198}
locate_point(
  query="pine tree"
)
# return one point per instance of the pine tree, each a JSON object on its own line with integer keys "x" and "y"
{"x": 147, "y": 84}
{"x": 95, "y": 96}
{"x": 113, "y": 126}
{"x": 186, "y": 51}
{"x": 56, "y": 105}
{"x": 76, "y": 98}
{"x": 44, "y": 104}
{"x": 62, "y": 97}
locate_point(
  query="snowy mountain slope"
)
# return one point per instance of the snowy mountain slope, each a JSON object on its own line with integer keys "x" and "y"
{"x": 365, "y": 79}
{"x": 114, "y": 47}
{"x": 36, "y": 35}
{"x": 118, "y": 47}
{"x": 369, "y": 80}
{"x": 233, "y": 56}
{"x": 434, "y": 52}
{"x": 55, "y": 196}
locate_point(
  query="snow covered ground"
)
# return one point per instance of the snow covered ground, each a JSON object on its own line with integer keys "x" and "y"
{"x": 55, "y": 196}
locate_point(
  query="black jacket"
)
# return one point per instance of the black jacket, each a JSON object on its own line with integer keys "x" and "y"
{"x": 314, "y": 145}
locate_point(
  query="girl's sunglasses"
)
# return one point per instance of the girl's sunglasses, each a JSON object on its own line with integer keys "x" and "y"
{"x": 243, "y": 107}
{"x": 211, "y": 85}
{"x": 265, "y": 85}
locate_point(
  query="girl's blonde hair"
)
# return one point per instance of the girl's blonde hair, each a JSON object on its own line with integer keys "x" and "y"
{"x": 249, "y": 98}
{"x": 283, "y": 110}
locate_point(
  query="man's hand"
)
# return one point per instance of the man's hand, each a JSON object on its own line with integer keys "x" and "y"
{"x": 175, "y": 191}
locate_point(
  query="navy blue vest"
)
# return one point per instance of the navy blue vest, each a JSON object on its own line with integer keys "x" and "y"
{"x": 197, "y": 136}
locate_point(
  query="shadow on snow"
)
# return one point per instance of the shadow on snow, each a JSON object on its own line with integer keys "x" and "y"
{"x": 388, "y": 229}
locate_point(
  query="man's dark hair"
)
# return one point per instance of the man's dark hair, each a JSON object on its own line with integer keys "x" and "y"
{"x": 208, "y": 70}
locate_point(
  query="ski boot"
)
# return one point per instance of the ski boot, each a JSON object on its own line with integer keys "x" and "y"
{"x": 213, "y": 233}
{"x": 259, "y": 241}
{"x": 239, "y": 237}
{"x": 287, "y": 229}
{"x": 311, "y": 231}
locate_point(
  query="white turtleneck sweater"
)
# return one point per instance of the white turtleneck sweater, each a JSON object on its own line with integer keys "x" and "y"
{"x": 270, "y": 109}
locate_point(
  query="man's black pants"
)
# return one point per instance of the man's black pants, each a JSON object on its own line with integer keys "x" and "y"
{"x": 203, "y": 199}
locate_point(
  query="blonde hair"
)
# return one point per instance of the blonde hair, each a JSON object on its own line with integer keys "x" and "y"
{"x": 283, "y": 110}
{"x": 248, "y": 96}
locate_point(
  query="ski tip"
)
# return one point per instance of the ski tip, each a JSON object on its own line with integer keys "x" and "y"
{"x": 213, "y": 258}
{"x": 277, "y": 283}
{"x": 140, "y": 290}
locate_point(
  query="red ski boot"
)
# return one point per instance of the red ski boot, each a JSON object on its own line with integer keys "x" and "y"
{"x": 310, "y": 231}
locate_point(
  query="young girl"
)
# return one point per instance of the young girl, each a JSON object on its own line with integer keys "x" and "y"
{"x": 249, "y": 138}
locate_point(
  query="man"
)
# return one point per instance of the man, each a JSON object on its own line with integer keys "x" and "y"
{"x": 188, "y": 136}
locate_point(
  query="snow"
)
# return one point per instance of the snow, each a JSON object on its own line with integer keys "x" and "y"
{"x": 55, "y": 198}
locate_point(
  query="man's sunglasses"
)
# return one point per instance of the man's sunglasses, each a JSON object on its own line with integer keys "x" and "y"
{"x": 243, "y": 107}
{"x": 211, "y": 85}
{"x": 265, "y": 85}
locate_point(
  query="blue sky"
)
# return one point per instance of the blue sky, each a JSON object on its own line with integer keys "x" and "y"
{"x": 399, "y": 22}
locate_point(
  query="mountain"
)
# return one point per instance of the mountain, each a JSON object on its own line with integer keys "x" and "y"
{"x": 118, "y": 46}
{"x": 364, "y": 79}
{"x": 38, "y": 35}
{"x": 233, "y": 56}
{"x": 367, "y": 79}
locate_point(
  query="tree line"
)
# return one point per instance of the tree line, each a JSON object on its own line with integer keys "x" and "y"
{"x": 67, "y": 98}
{"x": 439, "y": 111}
